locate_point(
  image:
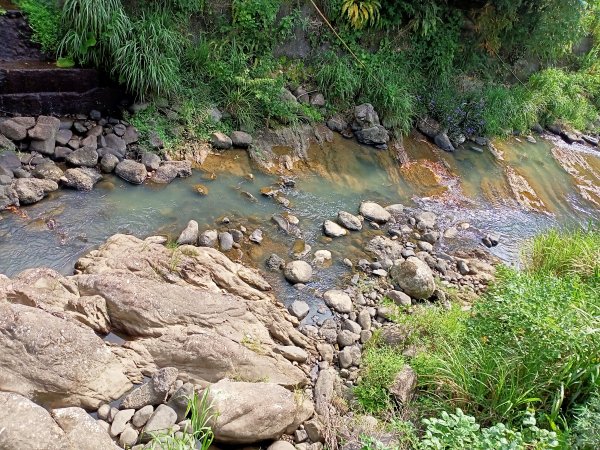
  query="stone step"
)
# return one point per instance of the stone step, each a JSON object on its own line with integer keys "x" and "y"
{"x": 22, "y": 77}
{"x": 61, "y": 103}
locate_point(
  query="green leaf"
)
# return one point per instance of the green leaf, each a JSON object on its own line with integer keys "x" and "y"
{"x": 65, "y": 62}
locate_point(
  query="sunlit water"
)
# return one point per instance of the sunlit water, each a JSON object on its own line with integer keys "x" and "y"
{"x": 464, "y": 186}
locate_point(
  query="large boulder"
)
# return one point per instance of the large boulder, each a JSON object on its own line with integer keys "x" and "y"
{"x": 48, "y": 171}
{"x": 246, "y": 413}
{"x": 374, "y": 212}
{"x": 25, "y": 425}
{"x": 414, "y": 277}
{"x": 338, "y": 300}
{"x": 298, "y": 272}
{"x": 84, "y": 157}
{"x": 56, "y": 361}
{"x": 365, "y": 116}
{"x": 375, "y": 135}
{"x": 443, "y": 141}
{"x": 81, "y": 178}
{"x": 13, "y": 130}
{"x": 333, "y": 230}
{"x": 349, "y": 221}
{"x": 81, "y": 431}
{"x": 131, "y": 171}
{"x": 193, "y": 309}
{"x": 169, "y": 170}
{"x": 32, "y": 190}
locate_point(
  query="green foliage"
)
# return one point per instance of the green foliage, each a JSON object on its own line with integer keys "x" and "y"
{"x": 566, "y": 252}
{"x": 254, "y": 22}
{"x": 44, "y": 19}
{"x": 149, "y": 61}
{"x": 361, "y": 13}
{"x": 529, "y": 342}
{"x": 585, "y": 432}
{"x": 460, "y": 431}
{"x": 199, "y": 412}
{"x": 379, "y": 366}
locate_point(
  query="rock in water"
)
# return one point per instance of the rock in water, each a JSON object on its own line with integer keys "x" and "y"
{"x": 443, "y": 141}
{"x": 86, "y": 157}
{"x": 414, "y": 278}
{"x": 82, "y": 179}
{"x": 189, "y": 236}
{"x": 150, "y": 160}
{"x": 349, "y": 221}
{"x": 374, "y": 212}
{"x": 131, "y": 171}
{"x": 32, "y": 190}
{"x": 299, "y": 309}
{"x": 333, "y": 230}
{"x": 298, "y": 272}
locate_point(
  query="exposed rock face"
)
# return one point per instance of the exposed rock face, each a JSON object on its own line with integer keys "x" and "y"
{"x": 23, "y": 424}
{"x": 252, "y": 412}
{"x": 189, "y": 322}
{"x": 56, "y": 361}
{"x": 414, "y": 277}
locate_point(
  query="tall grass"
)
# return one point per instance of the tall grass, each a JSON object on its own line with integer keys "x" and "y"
{"x": 566, "y": 252}
{"x": 533, "y": 341}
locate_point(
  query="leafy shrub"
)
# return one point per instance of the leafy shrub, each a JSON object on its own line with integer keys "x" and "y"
{"x": 44, "y": 19}
{"x": 361, "y": 13}
{"x": 460, "y": 431}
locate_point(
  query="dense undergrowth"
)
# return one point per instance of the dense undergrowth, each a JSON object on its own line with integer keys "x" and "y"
{"x": 520, "y": 369}
{"x": 487, "y": 68}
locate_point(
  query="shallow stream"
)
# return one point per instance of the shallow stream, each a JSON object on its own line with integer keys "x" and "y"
{"x": 521, "y": 189}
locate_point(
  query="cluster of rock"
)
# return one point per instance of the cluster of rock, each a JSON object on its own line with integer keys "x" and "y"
{"x": 404, "y": 270}
{"x": 365, "y": 126}
{"x": 570, "y": 136}
{"x": 37, "y": 155}
{"x": 188, "y": 315}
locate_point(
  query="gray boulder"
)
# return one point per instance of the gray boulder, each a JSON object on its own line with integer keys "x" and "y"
{"x": 6, "y": 144}
{"x": 443, "y": 141}
{"x": 298, "y": 272}
{"x": 131, "y": 171}
{"x": 414, "y": 277}
{"x": 338, "y": 301}
{"x": 225, "y": 241}
{"x": 114, "y": 141}
{"x": 189, "y": 236}
{"x": 208, "y": 238}
{"x": 374, "y": 212}
{"x": 108, "y": 163}
{"x": 48, "y": 171}
{"x": 13, "y": 130}
{"x": 241, "y": 139}
{"x": 81, "y": 178}
{"x": 169, "y": 170}
{"x": 153, "y": 392}
{"x": 404, "y": 386}
{"x": 150, "y": 160}
{"x": 82, "y": 432}
{"x": 32, "y": 190}
{"x": 299, "y": 309}
{"x": 161, "y": 420}
{"x": 333, "y": 230}
{"x": 246, "y": 413}
{"x": 180, "y": 399}
{"x": 86, "y": 157}
{"x": 365, "y": 116}
{"x": 349, "y": 221}
{"x": 375, "y": 135}
{"x": 220, "y": 141}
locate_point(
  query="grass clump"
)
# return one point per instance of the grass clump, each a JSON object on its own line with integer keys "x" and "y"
{"x": 379, "y": 366}
{"x": 562, "y": 252}
{"x": 200, "y": 437}
{"x": 585, "y": 432}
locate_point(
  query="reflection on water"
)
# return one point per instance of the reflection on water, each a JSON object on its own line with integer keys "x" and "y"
{"x": 563, "y": 182}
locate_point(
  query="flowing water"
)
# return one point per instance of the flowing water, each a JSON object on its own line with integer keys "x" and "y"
{"x": 517, "y": 190}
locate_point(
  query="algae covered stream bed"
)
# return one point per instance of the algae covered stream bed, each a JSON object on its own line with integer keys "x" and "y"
{"x": 516, "y": 190}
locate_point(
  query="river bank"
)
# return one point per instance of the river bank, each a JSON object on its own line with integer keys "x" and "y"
{"x": 337, "y": 283}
